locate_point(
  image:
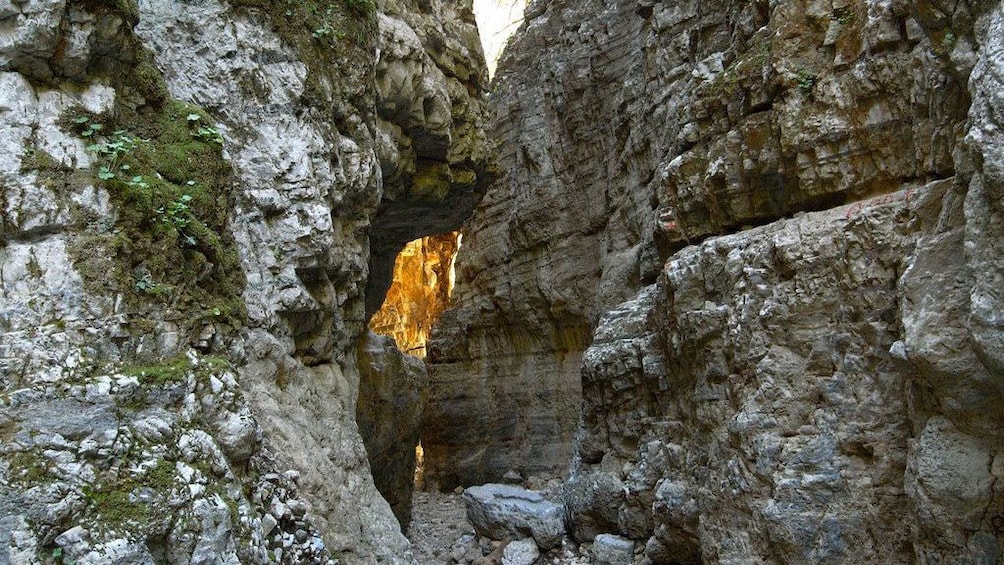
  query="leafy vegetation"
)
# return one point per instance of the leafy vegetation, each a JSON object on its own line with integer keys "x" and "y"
{"x": 165, "y": 172}
{"x": 806, "y": 81}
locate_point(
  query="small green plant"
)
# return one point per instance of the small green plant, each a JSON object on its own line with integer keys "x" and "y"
{"x": 843, "y": 16}
{"x": 209, "y": 135}
{"x": 178, "y": 214}
{"x": 143, "y": 280}
{"x": 205, "y": 134}
{"x": 948, "y": 41}
{"x": 138, "y": 182}
{"x": 806, "y": 81}
{"x": 59, "y": 559}
{"x": 111, "y": 150}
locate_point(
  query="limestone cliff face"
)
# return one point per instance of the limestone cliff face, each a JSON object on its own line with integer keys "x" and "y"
{"x": 628, "y": 130}
{"x": 823, "y": 388}
{"x": 189, "y": 193}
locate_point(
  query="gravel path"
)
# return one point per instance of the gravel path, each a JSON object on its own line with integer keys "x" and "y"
{"x": 438, "y": 520}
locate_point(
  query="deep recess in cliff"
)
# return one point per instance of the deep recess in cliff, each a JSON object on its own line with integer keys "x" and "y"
{"x": 764, "y": 241}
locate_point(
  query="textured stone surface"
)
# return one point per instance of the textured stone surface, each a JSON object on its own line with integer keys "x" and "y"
{"x": 520, "y": 552}
{"x": 501, "y": 512}
{"x": 826, "y": 387}
{"x": 629, "y": 129}
{"x": 389, "y": 414}
{"x": 430, "y": 128}
{"x": 759, "y": 400}
{"x": 612, "y": 550}
{"x": 290, "y": 93}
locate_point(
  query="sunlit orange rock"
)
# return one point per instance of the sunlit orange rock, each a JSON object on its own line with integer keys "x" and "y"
{"x": 423, "y": 282}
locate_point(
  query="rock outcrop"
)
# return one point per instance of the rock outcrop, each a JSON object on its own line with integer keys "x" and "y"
{"x": 389, "y": 413}
{"x": 189, "y": 194}
{"x": 783, "y": 223}
{"x": 628, "y": 130}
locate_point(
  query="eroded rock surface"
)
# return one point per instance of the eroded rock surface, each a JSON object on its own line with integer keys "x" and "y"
{"x": 506, "y": 512}
{"x": 778, "y": 226}
{"x": 628, "y": 130}
{"x": 391, "y": 386}
{"x": 202, "y": 181}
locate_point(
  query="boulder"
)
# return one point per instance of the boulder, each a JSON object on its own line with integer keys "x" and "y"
{"x": 609, "y": 549}
{"x": 504, "y": 511}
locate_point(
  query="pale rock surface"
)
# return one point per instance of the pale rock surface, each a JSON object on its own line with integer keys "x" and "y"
{"x": 502, "y": 512}
{"x": 756, "y": 401}
{"x": 520, "y": 552}
{"x": 265, "y": 424}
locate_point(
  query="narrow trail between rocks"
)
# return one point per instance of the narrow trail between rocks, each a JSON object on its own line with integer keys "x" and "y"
{"x": 438, "y": 520}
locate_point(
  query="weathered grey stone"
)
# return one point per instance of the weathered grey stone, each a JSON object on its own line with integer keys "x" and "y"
{"x": 389, "y": 414}
{"x": 520, "y": 552}
{"x": 609, "y": 549}
{"x": 635, "y": 131}
{"x": 501, "y": 512}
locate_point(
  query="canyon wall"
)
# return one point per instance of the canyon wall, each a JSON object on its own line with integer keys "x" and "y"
{"x": 194, "y": 196}
{"x": 778, "y": 227}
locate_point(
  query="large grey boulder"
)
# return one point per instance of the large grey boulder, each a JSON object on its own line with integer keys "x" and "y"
{"x": 503, "y": 511}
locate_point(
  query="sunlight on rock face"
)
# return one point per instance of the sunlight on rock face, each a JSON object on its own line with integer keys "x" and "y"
{"x": 423, "y": 282}
{"x": 497, "y": 20}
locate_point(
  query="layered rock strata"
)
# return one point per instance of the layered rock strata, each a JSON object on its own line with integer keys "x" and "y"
{"x": 825, "y": 387}
{"x": 189, "y": 194}
{"x": 631, "y": 129}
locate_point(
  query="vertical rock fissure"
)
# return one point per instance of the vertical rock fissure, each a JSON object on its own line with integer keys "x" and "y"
{"x": 435, "y": 166}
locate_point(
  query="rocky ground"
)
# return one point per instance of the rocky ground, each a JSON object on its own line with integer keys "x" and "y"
{"x": 441, "y": 534}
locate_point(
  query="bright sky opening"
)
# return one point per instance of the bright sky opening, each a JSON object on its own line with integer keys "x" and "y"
{"x": 497, "y": 20}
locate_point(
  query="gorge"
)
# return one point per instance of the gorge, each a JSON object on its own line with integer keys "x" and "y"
{"x": 725, "y": 278}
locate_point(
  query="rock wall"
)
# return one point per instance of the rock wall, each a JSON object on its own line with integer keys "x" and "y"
{"x": 391, "y": 389}
{"x": 189, "y": 193}
{"x": 825, "y": 387}
{"x": 630, "y": 129}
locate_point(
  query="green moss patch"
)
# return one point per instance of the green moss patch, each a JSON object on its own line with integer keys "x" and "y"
{"x": 115, "y": 503}
{"x": 28, "y": 468}
{"x": 164, "y": 169}
{"x": 335, "y": 39}
{"x": 169, "y": 371}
